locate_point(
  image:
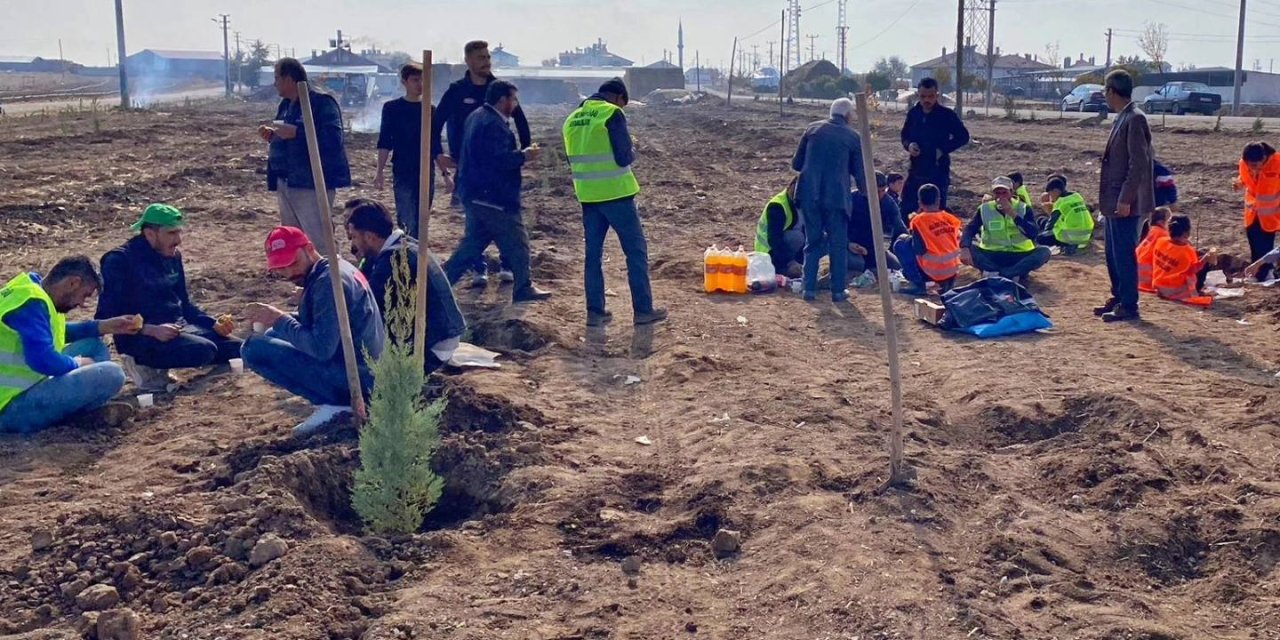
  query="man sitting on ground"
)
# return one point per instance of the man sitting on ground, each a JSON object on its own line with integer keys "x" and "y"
{"x": 932, "y": 252}
{"x": 862, "y": 234}
{"x": 1020, "y": 189}
{"x": 780, "y": 232}
{"x": 376, "y": 241}
{"x": 1179, "y": 270}
{"x": 1070, "y": 223}
{"x": 1003, "y": 228}
{"x": 1147, "y": 250}
{"x": 896, "y": 183}
{"x": 51, "y": 370}
{"x": 302, "y": 352}
{"x": 145, "y": 277}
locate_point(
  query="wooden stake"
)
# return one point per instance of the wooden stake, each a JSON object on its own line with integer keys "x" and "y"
{"x": 898, "y": 473}
{"x": 335, "y": 262}
{"x": 424, "y": 218}
{"x": 728, "y": 101}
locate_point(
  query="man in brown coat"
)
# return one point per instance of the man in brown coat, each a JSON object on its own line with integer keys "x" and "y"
{"x": 1126, "y": 195}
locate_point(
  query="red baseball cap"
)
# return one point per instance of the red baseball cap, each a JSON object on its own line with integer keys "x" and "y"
{"x": 282, "y": 246}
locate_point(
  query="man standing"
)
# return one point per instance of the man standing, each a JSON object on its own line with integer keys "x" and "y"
{"x": 930, "y": 134}
{"x": 400, "y": 140}
{"x": 999, "y": 240}
{"x": 598, "y": 145}
{"x": 288, "y": 162}
{"x": 1126, "y": 195}
{"x": 145, "y": 277}
{"x": 489, "y": 184}
{"x": 830, "y": 152}
{"x": 459, "y": 101}
{"x": 50, "y": 369}
{"x": 379, "y": 245}
{"x": 302, "y": 352}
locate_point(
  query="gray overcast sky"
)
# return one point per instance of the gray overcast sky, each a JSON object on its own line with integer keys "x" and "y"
{"x": 1202, "y": 30}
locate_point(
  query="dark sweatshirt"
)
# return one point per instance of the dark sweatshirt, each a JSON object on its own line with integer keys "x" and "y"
{"x": 940, "y": 129}
{"x": 136, "y": 280}
{"x": 444, "y": 318}
{"x": 401, "y": 134}
{"x": 860, "y": 229}
{"x": 458, "y": 102}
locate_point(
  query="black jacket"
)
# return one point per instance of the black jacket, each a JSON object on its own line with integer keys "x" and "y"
{"x": 444, "y": 318}
{"x": 939, "y": 130}
{"x": 457, "y": 104}
{"x": 491, "y": 160}
{"x": 137, "y": 280}
{"x": 289, "y": 159}
{"x": 860, "y": 229}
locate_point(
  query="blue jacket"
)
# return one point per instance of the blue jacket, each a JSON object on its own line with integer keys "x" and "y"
{"x": 491, "y": 160}
{"x": 288, "y": 159}
{"x": 939, "y": 130}
{"x": 460, "y": 100}
{"x": 830, "y": 152}
{"x": 444, "y": 318}
{"x": 32, "y": 323}
{"x": 137, "y": 280}
{"x": 314, "y": 330}
{"x": 860, "y": 229}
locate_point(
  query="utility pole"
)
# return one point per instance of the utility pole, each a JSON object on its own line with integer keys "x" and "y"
{"x": 239, "y": 66}
{"x": 842, "y": 35}
{"x": 226, "y": 48}
{"x": 991, "y": 43}
{"x": 697, "y": 68}
{"x": 782, "y": 62}
{"x": 755, "y": 57}
{"x": 959, "y": 61}
{"x": 812, "y": 49}
{"x": 62, "y": 60}
{"x": 770, "y": 43}
{"x": 1109, "y": 34}
{"x": 1239, "y": 77}
{"x": 120, "y": 55}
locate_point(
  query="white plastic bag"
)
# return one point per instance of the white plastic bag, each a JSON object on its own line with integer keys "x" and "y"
{"x": 760, "y": 268}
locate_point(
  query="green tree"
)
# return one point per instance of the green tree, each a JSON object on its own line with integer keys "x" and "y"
{"x": 943, "y": 76}
{"x": 892, "y": 67}
{"x": 251, "y": 60}
{"x": 395, "y": 487}
{"x": 1089, "y": 78}
{"x": 879, "y": 81}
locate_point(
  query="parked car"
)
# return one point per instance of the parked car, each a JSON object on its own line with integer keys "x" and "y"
{"x": 1183, "y": 97}
{"x": 1086, "y": 97}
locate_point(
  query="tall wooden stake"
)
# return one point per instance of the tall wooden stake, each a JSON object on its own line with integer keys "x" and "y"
{"x": 782, "y": 64}
{"x": 898, "y": 474}
{"x": 424, "y": 218}
{"x": 335, "y": 262}
{"x": 728, "y": 101}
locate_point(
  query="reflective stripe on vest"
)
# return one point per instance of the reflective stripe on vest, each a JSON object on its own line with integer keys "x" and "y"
{"x": 1001, "y": 233}
{"x": 1262, "y": 194}
{"x": 1075, "y": 222}
{"x": 596, "y": 175}
{"x": 15, "y": 375}
{"x": 938, "y": 268}
{"x": 762, "y": 227}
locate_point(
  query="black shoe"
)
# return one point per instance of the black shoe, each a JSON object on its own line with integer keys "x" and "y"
{"x": 1121, "y": 314}
{"x": 1110, "y": 306}
{"x": 530, "y": 294}
{"x": 657, "y": 315}
{"x": 843, "y": 296}
{"x": 599, "y": 318}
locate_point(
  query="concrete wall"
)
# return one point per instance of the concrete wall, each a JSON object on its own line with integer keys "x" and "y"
{"x": 641, "y": 81}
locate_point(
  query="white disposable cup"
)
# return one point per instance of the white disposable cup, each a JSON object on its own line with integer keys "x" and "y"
{"x": 237, "y": 365}
{"x": 146, "y": 400}
{"x": 258, "y": 327}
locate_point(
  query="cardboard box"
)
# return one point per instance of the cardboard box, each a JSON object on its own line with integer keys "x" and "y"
{"x": 929, "y": 311}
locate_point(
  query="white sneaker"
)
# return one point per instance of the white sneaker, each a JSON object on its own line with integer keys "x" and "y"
{"x": 322, "y": 416}
{"x": 505, "y": 275}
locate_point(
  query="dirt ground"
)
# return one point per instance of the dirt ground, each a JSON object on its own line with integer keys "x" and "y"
{"x": 1096, "y": 482}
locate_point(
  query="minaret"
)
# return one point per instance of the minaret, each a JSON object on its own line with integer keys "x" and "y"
{"x": 680, "y": 44}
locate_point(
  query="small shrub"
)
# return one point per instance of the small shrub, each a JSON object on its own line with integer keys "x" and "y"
{"x": 1010, "y": 108}
{"x": 1217, "y": 124}
{"x": 1258, "y": 126}
{"x": 395, "y": 487}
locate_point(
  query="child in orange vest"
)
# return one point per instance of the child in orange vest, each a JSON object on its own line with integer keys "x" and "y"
{"x": 932, "y": 251}
{"x": 1146, "y": 250}
{"x": 1179, "y": 270}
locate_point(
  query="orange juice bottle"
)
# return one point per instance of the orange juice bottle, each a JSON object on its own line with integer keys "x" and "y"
{"x": 723, "y": 261}
{"x": 740, "y": 262}
{"x": 710, "y": 269}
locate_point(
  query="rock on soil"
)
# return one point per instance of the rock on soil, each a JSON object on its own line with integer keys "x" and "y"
{"x": 269, "y": 548}
{"x": 726, "y": 543}
{"x": 98, "y": 597}
{"x": 41, "y": 540}
{"x": 118, "y": 624}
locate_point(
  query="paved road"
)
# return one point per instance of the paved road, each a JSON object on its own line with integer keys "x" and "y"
{"x": 107, "y": 102}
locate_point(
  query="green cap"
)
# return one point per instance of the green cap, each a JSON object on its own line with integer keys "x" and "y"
{"x": 161, "y": 215}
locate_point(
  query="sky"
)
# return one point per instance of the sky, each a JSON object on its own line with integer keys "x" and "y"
{"x": 1202, "y": 32}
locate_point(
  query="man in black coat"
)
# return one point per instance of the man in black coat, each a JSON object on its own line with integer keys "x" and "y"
{"x": 930, "y": 135}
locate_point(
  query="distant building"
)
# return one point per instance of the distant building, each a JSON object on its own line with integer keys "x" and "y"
{"x": 36, "y": 64}
{"x": 661, "y": 64}
{"x": 976, "y": 63}
{"x": 176, "y": 64}
{"x": 596, "y": 55}
{"x": 504, "y": 59}
{"x": 344, "y": 57}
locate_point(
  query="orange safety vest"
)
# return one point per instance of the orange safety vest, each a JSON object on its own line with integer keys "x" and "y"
{"x": 941, "y": 234}
{"x": 1146, "y": 254}
{"x": 1262, "y": 194}
{"x": 1176, "y": 266}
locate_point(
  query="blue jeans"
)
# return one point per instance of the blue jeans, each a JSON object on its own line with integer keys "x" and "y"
{"x": 283, "y": 365}
{"x": 911, "y": 270}
{"x": 622, "y": 216}
{"x": 1122, "y": 259}
{"x": 408, "y": 202}
{"x": 826, "y": 230}
{"x": 53, "y": 400}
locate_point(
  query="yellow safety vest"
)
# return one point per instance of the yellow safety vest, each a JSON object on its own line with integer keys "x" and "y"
{"x": 1024, "y": 195}
{"x": 596, "y": 176}
{"x": 762, "y": 227}
{"x": 15, "y": 375}
{"x": 1075, "y": 222}
{"x": 1000, "y": 233}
